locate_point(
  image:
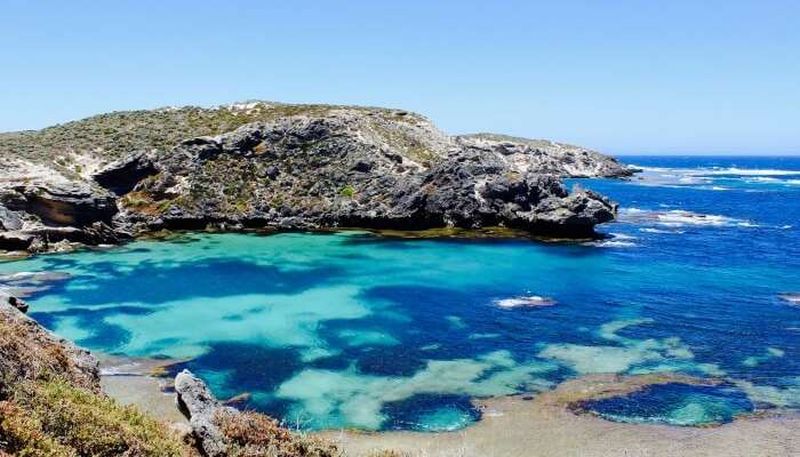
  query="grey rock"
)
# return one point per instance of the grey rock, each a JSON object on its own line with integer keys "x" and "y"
{"x": 73, "y": 205}
{"x": 549, "y": 157}
{"x": 15, "y": 241}
{"x": 199, "y": 405}
{"x": 9, "y": 220}
{"x": 285, "y": 167}
{"x": 122, "y": 175}
{"x": 344, "y": 170}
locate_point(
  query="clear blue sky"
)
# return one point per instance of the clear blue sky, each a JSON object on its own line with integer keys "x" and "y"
{"x": 622, "y": 76}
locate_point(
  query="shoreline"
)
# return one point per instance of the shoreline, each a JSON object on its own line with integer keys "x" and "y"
{"x": 547, "y": 424}
{"x": 133, "y": 381}
{"x": 488, "y": 234}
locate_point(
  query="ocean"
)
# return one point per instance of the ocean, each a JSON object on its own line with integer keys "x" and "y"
{"x": 357, "y": 330}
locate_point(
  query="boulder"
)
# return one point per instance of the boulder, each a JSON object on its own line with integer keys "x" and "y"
{"x": 9, "y": 220}
{"x": 199, "y": 405}
{"x": 15, "y": 241}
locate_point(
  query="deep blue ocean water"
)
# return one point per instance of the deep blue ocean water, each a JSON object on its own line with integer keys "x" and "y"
{"x": 355, "y": 330}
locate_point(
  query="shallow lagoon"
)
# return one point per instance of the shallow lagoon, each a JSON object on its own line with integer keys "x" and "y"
{"x": 355, "y": 330}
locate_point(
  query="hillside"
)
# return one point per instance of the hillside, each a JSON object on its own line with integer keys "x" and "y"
{"x": 271, "y": 165}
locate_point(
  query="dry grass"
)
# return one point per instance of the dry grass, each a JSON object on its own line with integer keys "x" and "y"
{"x": 51, "y": 405}
{"x": 23, "y": 435}
{"x": 55, "y": 418}
{"x": 251, "y": 434}
{"x": 28, "y": 352}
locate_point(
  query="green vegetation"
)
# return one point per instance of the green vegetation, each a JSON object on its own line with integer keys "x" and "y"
{"x": 348, "y": 191}
{"x": 54, "y": 418}
{"x": 112, "y": 135}
{"x": 51, "y": 406}
{"x": 253, "y": 434}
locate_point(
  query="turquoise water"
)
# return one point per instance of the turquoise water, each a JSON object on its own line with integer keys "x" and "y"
{"x": 355, "y": 330}
{"x": 675, "y": 404}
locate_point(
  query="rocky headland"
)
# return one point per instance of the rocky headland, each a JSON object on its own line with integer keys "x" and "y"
{"x": 284, "y": 167}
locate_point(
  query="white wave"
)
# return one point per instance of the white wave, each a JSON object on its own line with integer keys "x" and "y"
{"x": 706, "y": 178}
{"x": 680, "y": 218}
{"x": 759, "y": 179}
{"x": 611, "y": 244}
{"x": 792, "y": 299}
{"x": 735, "y": 171}
{"x": 655, "y": 230}
{"x": 622, "y": 236}
{"x": 531, "y": 301}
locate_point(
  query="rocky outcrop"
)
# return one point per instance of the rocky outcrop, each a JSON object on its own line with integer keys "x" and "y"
{"x": 219, "y": 430}
{"x": 285, "y": 167}
{"x": 122, "y": 175}
{"x": 35, "y": 216}
{"x": 350, "y": 170}
{"x": 549, "y": 157}
{"x": 199, "y": 405}
{"x": 30, "y": 352}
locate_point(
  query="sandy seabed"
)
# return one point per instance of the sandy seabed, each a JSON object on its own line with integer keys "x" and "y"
{"x": 546, "y": 425}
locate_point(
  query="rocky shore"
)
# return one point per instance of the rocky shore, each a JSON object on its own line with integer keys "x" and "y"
{"x": 52, "y": 404}
{"x": 260, "y": 165}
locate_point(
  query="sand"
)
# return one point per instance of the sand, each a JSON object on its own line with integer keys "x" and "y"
{"x": 132, "y": 382}
{"x": 546, "y": 426}
{"x": 521, "y": 426}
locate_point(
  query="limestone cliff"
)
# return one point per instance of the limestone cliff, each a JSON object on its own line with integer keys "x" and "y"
{"x": 267, "y": 165}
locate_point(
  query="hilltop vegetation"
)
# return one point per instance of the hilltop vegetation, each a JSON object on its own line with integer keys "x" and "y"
{"x": 70, "y": 146}
{"x": 272, "y": 166}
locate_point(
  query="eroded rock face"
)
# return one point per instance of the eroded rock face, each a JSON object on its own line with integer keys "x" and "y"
{"x": 66, "y": 205}
{"x": 122, "y": 175}
{"x": 36, "y": 216}
{"x": 284, "y": 167}
{"x": 345, "y": 171}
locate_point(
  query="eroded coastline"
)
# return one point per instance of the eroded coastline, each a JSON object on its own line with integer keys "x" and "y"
{"x": 552, "y": 422}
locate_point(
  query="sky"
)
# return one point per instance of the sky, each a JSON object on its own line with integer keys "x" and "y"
{"x": 624, "y": 77}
